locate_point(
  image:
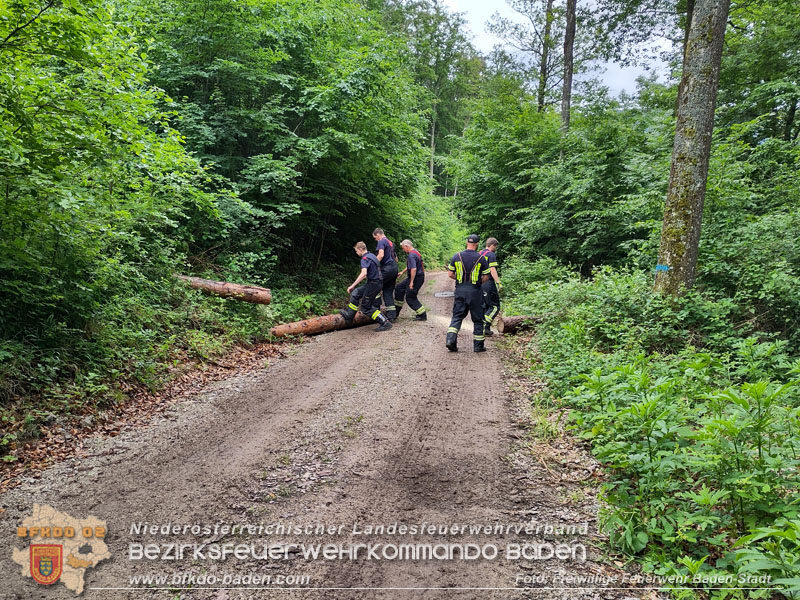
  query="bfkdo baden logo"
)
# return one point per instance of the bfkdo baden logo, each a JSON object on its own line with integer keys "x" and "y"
{"x": 62, "y": 548}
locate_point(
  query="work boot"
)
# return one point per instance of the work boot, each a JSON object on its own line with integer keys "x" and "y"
{"x": 488, "y": 331}
{"x": 477, "y": 346}
{"x": 385, "y": 324}
{"x": 452, "y": 342}
{"x": 349, "y": 313}
{"x": 421, "y": 317}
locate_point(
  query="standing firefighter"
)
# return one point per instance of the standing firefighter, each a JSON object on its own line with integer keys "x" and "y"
{"x": 409, "y": 287}
{"x": 467, "y": 267}
{"x": 388, "y": 259}
{"x": 491, "y": 287}
{"x": 368, "y": 296}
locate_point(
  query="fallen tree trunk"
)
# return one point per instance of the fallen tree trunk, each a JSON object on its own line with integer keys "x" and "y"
{"x": 513, "y": 324}
{"x": 319, "y": 325}
{"x": 248, "y": 293}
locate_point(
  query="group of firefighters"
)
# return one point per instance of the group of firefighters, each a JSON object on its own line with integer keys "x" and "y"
{"x": 476, "y": 293}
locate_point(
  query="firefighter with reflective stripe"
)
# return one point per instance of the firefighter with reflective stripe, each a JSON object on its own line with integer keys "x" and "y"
{"x": 409, "y": 288}
{"x": 491, "y": 286}
{"x": 467, "y": 268}
{"x": 388, "y": 258}
{"x": 368, "y": 296}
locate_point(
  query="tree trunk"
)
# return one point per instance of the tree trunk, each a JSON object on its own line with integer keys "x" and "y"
{"x": 248, "y": 293}
{"x": 686, "y": 28}
{"x": 569, "y": 44}
{"x": 433, "y": 140}
{"x": 513, "y": 324}
{"x": 319, "y": 325}
{"x": 787, "y": 128}
{"x": 543, "y": 66}
{"x": 683, "y": 213}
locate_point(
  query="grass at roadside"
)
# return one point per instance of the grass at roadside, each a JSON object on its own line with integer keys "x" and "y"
{"x": 135, "y": 343}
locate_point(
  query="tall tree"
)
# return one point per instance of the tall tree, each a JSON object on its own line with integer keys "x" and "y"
{"x": 444, "y": 62}
{"x": 760, "y": 78}
{"x": 544, "y": 63}
{"x": 623, "y": 27}
{"x": 536, "y": 42}
{"x": 535, "y": 46}
{"x": 569, "y": 47}
{"x": 680, "y": 234}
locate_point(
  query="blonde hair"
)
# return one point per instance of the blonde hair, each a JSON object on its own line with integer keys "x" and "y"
{"x": 360, "y": 246}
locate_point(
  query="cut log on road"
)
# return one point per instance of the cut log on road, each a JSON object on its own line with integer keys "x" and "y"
{"x": 513, "y": 324}
{"x": 319, "y": 325}
{"x": 248, "y": 293}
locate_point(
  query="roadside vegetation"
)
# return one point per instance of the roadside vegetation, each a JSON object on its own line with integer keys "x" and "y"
{"x": 692, "y": 411}
{"x": 690, "y": 402}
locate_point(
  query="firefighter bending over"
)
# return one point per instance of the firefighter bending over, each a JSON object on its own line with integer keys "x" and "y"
{"x": 409, "y": 288}
{"x": 368, "y": 296}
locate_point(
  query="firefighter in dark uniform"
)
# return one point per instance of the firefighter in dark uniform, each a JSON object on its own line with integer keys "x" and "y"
{"x": 368, "y": 296}
{"x": 409, "y": 288}
{"x": 467, "y": 268}
{"x": 491, "y": 286}
{"x": 388, "y": 258}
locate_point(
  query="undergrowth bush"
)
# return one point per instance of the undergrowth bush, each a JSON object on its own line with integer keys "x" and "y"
{"x": 144, "y": 332}
{"x": 694, "y": 413}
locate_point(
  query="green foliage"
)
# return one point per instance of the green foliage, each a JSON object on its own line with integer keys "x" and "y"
{"x": 584, "y": 197}
{"x": 595, "y": 195}
{"x": 251, "y": 141}
{"x": 693, "y": 414}
{"x": 761, "y": 40}
{"x": 309, "y": 108}
{"x": 445, "y": 65}
{"x": 690, "y": 403}
{"x": 437, "y": 233}
{"x": 91, "y": 174}
{"x": 777, "y": 554}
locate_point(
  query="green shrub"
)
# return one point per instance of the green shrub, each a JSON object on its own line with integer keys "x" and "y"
{"x": 692, "y": 411}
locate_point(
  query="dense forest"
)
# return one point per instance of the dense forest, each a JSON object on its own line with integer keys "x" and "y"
{"x": 257, "y": 140}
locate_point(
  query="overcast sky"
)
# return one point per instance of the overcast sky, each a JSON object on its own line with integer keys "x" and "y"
{"x": 478, "y": 12}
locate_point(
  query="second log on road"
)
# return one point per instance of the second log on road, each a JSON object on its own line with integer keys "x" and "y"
{"x": 317, "y": 325}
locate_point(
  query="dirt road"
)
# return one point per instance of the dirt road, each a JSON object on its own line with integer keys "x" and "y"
{"x": 356, "y": 429}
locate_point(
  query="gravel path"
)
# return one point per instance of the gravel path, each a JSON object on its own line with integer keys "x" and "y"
{"x": 357, "y": 428}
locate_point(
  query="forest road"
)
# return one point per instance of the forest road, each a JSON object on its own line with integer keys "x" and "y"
{"x": 356, "y": 429}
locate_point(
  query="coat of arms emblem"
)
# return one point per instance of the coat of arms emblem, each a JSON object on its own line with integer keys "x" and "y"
{"x": 46, "y": 562}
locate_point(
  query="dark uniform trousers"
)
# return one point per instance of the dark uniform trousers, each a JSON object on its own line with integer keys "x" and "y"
{"x": 367, "y": 298}
{"x": 403, "y": 293}
{"x": 468, "y": 299}
{"x": 491, "y": 302}
{"x": 389, "y": 273}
